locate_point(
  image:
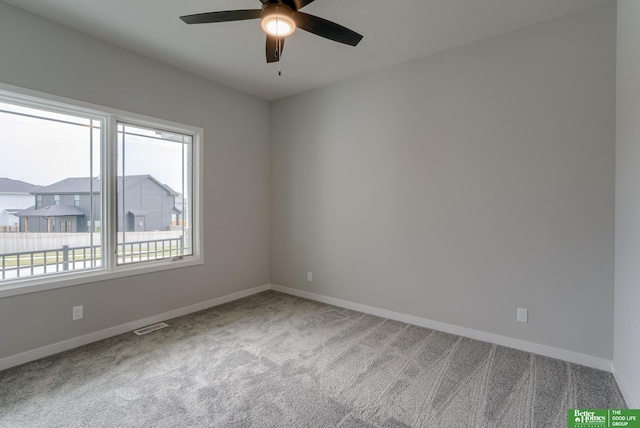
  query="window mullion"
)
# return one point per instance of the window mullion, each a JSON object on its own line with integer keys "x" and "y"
{"x": 109, "y": 188}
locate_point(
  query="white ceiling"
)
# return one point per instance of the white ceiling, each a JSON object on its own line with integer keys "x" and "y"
{"x": 395, "y": 31}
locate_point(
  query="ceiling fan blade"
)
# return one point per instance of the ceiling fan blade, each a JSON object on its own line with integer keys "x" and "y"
{"x": 327, "y": 29}
{"x": 224, "y": 16}
{"x": 273, "y": 52}
{"x": 301, "y": 3}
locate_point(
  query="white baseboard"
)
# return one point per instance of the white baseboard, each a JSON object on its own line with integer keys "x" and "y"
{"x": 570, "y": 356}
{"x": 547, "y": 351}
{"x": 65, "y": 345}
{"x": 624, "y": 389}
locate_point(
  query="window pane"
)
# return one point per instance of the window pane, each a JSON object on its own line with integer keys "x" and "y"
{"x": 153, "y": 194}
{"x": 47, "y": 158}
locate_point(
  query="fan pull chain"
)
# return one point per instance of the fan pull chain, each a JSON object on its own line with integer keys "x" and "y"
{"x": 278, "y": 47}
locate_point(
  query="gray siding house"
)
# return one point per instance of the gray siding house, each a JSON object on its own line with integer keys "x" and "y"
{"x": 15, "y": 195}
{"x": 73, "y": 205}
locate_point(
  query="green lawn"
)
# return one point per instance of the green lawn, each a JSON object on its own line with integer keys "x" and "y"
{"x": 53, "y": 257}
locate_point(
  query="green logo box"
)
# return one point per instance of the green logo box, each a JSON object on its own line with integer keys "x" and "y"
{"x": 603, "y": 418}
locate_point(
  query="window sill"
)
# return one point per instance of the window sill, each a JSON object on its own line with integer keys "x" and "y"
{"x": 52, "y": 282}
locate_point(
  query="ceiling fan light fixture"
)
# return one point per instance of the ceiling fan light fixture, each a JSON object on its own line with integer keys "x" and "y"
{"x": 278, "y": 21}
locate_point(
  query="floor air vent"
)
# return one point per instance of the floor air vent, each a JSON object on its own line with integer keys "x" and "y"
{"x": 150, "y": 328}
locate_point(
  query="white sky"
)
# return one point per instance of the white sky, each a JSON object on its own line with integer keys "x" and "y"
{"x": 44, "y": 152}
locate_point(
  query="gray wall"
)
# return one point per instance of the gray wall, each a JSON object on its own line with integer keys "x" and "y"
{"x": 627, "y": 299}
{"x": 461, "y": 185}
{"x": 40, "y": 55}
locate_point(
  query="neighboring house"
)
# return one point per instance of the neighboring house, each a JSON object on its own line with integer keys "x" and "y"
{"x": 182, "y": 215}
{"x": 15, "y": 195}
{"x": 73, "y": 205}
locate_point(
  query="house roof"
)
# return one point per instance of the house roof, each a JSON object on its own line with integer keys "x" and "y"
{"x": 51, "y": 211}
{"x": 8, "y": 185}
{"x": 72, "y": 185}
{"x": 12, "y": 211}
{"x": 77, "y": 185}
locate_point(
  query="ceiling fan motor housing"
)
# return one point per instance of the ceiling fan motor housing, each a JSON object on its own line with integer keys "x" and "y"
{"x": 275, "y": 9}
{"x": 286, "y": 3}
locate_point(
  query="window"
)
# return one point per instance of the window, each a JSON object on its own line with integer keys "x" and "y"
{"x": 136, "y": 189}
{"x": 55, "y": 147}
{"x": 153, "y": 171}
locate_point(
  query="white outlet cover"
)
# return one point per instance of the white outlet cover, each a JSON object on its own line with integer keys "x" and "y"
{"x": 77, "y": 313}
{"x": 522, "y": 315}
{"x": 309, "y": 276}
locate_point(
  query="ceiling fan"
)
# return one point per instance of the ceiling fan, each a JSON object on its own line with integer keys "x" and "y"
{"x": 279, "y": 19}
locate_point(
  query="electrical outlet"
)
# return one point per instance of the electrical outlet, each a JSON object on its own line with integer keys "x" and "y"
{"x": 78, "y": 312}
{"x": 522, "y": 315}
{"x": 309, "y": 276}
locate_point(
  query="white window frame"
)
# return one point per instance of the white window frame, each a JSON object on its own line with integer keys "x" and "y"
{"x": 110, "y": 269}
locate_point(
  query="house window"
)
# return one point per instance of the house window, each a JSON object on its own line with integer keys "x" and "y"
{"x": 129, "y": 176}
